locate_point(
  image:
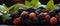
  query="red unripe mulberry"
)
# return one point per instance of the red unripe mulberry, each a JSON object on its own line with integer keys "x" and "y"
{"x": 53, "y": 21}
{"x": 47, "y": 17}
{"x": 32, "y": 15}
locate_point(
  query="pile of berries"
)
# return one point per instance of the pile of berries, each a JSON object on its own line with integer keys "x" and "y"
{"x": 34, "y": 17}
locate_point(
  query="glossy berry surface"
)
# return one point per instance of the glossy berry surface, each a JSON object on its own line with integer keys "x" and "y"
{"x": 31, "y": 10}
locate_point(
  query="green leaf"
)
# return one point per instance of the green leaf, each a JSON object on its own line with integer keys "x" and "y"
{"x": 3, "y": 8}
{"x": 39, "y": 4}
{"x": 15, "y": 7}
{"x": 8, "y": 9}
{"x": 35, "y": 3}
{"x": 5, "y": 16}
{"x": 27, "y": 3}
{"x": 50, "y": 5}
